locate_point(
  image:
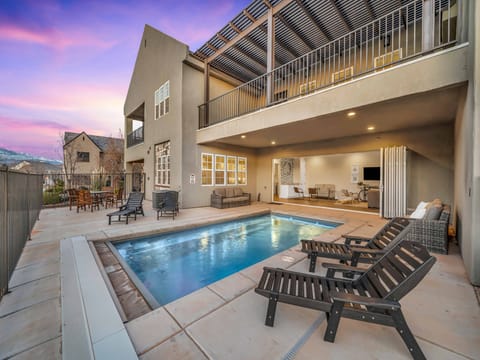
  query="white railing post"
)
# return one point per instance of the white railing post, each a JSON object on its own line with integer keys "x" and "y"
{"x": 270, "y": 54}
{"x": 428, "y": 25}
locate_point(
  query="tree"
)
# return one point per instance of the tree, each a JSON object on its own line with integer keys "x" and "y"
{"x": 70, "y": 158}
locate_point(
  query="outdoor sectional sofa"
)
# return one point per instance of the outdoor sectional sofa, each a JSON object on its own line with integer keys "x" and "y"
{"x": 430, "y": 226}
{"x": 229, "y": 197}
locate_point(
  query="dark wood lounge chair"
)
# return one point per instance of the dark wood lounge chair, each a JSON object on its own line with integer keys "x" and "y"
{"x": 364, "y": 250}
{"x": 133, "y": 206}
{"x": 373, "y": 297}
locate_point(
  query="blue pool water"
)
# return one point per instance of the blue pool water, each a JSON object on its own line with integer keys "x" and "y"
{"x": 176, "y": 264}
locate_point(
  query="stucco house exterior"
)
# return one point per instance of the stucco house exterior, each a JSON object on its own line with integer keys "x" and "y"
{"x": 85, "y": 153}
{"x": 287, "y": 81}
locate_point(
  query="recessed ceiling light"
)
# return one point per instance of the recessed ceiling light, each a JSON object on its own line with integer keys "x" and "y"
{"x": 351, "y": 113}
{"x": 273, "y": 142}
{"x": 243, "y": 136}
{"x": 370, "y": 128}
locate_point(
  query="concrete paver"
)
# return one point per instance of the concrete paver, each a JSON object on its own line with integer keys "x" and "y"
{"x": 29, "y": 327}
{"x": 30, "y": 294}
{"x": 178, "y": 347}
{"x": 226, "y": 319}
{"x": 151, "y": 329}
{"x": 193, "y": 306}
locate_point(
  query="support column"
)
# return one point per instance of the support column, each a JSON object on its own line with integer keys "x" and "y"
{"x": 428, "y": 25}
{"x": 270, "y": 54}
{"x": 206, "y": 84}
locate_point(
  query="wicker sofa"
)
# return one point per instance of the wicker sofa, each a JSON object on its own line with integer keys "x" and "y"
{"x": 432, "y": 229}
{"x": 229, "y": 197}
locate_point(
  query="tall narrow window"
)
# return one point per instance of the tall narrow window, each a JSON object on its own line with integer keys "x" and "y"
{"x": 220, "y": 169}
{"x": 242, "y": 171}
{"x": 207, "y": 169}
{"x": 162, "y": 164}
{"x": 231, "y": 170}
{"x": 162, "y": 100}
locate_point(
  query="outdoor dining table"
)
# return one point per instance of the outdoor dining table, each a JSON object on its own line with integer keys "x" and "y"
{"x": 101, "y": 194}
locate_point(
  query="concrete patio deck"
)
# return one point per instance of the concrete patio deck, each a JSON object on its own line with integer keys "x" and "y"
{"x": 225, "y": 320}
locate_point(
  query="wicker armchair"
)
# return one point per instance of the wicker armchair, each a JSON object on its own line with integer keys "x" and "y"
{"x": 433, "y": 233}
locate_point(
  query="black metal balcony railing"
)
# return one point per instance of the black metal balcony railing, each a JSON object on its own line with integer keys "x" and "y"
{"x": 20, "y": 204}
{"x": 135, "y": 137}
{"x": 382, "y": 43}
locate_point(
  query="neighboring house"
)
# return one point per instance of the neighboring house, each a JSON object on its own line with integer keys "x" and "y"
{"x": 288, "y": 80}
{"x": 85, "y": 154}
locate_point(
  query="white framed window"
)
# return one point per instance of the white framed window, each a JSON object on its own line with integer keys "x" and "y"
{"x": 162, "y": 100}
{"x": 242, "y": 171}
{"x": 162, "y": 164}
{"x": 220, "y": 169}
{"x": 231, "y": 170}
{"x": 207, "y": 169}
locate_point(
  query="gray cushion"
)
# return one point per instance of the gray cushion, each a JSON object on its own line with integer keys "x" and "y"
{"x": 229, "y": 192}
{"x": 238, "y": 191}
{"x": 433, "y": 211}
{"x": 220, "y": 192}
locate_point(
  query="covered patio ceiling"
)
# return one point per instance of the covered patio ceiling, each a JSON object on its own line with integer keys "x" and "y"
{"x": 240, "y": 47}
{"x": 410, "y": 112}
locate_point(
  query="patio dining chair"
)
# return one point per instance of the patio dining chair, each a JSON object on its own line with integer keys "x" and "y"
{"x": 72, "y": 197}
{"x": 363, "y": 250}
{"x": 373, "y": 297}
{"x": 85, "y": 199}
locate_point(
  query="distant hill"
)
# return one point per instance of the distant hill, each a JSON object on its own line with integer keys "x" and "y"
{"x": 28, "y": 162}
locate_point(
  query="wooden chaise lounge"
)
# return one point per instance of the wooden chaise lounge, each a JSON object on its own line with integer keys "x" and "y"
{"x": 365, "y": 250}
{"x": 133, "y": 206}
{"x": 373, "y": 297}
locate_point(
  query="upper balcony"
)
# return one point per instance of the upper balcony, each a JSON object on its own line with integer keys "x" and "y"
{"x": 417, "y": 28}
{"x": 134, "y": 123}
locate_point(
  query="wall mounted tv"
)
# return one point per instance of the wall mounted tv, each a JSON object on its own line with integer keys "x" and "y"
{"x": 371, "y": 173}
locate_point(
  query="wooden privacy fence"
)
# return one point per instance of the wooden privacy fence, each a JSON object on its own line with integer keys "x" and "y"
{"x": 20, "y": 204}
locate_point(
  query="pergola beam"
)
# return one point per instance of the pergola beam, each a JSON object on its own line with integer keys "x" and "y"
{"x": 341, "y": 15}
{"x": 243, "y": 52}
{"x": 318, "y": 24}
{"x": 370, "y": 10}
{"x": 253, "y": 26}
{"x": 292, "y": 29}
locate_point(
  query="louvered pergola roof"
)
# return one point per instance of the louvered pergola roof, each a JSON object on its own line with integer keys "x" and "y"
{"x": 240, "y": 47}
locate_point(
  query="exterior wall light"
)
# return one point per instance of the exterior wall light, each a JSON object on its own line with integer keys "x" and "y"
{"x": 370, "y": 128}
{"x": 351, "y": 113}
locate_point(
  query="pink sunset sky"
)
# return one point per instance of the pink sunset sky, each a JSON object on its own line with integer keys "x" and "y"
{"x": 66, "y": 65}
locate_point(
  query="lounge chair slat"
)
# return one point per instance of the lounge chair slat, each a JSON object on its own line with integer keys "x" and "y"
{"x": 271, "y": 279}
{"x": 318, "y": 291}
{"x": 293, "y": 285}
{"x": 301, "y": 285}
{"x": 263, "y": 280}
{"x": 373, "y": 278}
{"x": 308, "y": 285}
{"x": 391, "y": 270}
{"x": 325, "y": 290}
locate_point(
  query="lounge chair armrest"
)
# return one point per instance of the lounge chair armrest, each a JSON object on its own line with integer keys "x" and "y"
{"x": 366, "y": 301}
{"x": 349, "y": 238}
{"x": 332, "y": 268}
{"x": 122, "y": 207}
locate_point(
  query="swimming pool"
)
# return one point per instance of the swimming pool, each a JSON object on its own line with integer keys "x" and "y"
{"x": 175, "y": 264}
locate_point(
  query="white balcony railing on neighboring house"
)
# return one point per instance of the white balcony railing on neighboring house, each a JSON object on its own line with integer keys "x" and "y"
{"x": 410, "y": 31}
